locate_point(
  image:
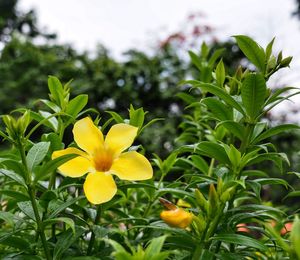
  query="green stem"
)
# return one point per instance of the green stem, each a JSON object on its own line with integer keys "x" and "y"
{"x": 52, "y": 180}
{"x": 24, "y": 161}
{"x": 248, "y": 133}
{"x": 93, "y": 237}
{"x": 148, "y": 208}
{"x": 213, "y": 225}
{"x": 200, "y": 246}
{"x": 61, "y": 130}
{"x": 39, "y": 222}
{"x": 31, "y": 193}
{"x": 151, "y": 201}
{"x": 160, "y": 180}
{"x": 198, "y": 252}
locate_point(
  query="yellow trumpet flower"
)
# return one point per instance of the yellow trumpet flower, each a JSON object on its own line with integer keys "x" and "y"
{"x": 177, "y": 217}
{"x": 174, "y": 216}
{"x": 101, "y": 158}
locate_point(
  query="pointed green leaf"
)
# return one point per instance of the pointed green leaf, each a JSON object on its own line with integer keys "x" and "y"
{"x": 222, "y": 94}
{"x": 173, "y": 191}
{"x": 70, "y": 223}
{"x": 65, "y": 240}
{"x": 241, "y": 240}
{"x": 277, "y": 158}
{"x": 235, "y": 128}
{"x": 14, "y": 176}
{"x": 216, "y": 55}
{"x": 253, "y": 94}
{"x": 254, "y": 173}
{"x": 186, "y": 97}
{"x": 269, "y": 49}
{"x": 200, "y": 163}
{"x": 56, "y": 89}
{"x": 14, "y": 195}
{"x": 50, "y": 120}
{"x": 275, "y": 131}
{"x": 292, "y": 194}
{"x": 26, "y": 208}
{"x": 52, "y": 165}
{"x": 136, "y": 116}
{"x": 258, "y": 128}
{"x": 154, "y": 247}
{"x": 218, "y": 108}
{"x": 36, "y": 154}
{"x": 51, "y": 105}
{"x": 220, "y": 74}
{"x": 234, "y": 155}
{"x": 17, "y": 242}
{"x": 213, "y": 150}
{"x": 8, "y": 217}
{"x": 40, "y": 118}
{"x": 75, "y": 106}
{"x": 252, "y": 51}
{"x": 63, "y": 206}
{"x": 274, "y": 181}
{"x": 116, "y": 116}
{"x": 276, "y": 95}
{"x": 169, "y": 162}
{"x": 195, "y": 60}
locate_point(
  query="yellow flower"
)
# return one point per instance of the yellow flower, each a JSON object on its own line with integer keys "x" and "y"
{"x": 101, "y": 158}
{"x": 177, "y": 217}
{"x": 174, "y": 216}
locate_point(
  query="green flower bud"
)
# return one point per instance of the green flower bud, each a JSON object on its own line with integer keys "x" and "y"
{"x": 286, "y": 62}
{"x": 271, "y": 63}
{"x": 239, "y": 73}
{"x": 233, "y": 87}
{"x": 219, "y": 186}
{"x": 227, "y": 194}
{"x": 200, "y": 222}
{"x": 279, "y": 57}
{"x": 202, "y": 202}
{"x": 16, "y": 128}
{"x": 213, "y": 201}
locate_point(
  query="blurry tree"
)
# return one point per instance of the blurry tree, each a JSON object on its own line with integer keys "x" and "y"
{"x": 141, "y": 79}
{"x": 297, "y": 11}
{"x": 12, "y": 20}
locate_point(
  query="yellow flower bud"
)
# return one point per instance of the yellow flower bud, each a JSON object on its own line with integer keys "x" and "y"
{"x": 177, "y": 217}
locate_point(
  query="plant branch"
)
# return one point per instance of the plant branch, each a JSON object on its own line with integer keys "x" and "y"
{"x": 93, "y": 237}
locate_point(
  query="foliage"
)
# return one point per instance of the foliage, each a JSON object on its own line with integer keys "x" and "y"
{"x": 14, "y": 21}
{"x": 214, "y": 174}
{"x": 141, "y": 79}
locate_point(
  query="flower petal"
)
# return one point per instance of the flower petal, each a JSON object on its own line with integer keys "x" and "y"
{"x": 132, "y": 166}
{"x": 177, "y": 217}
{"x": 76, "y": 167}
{"x": 99, "y": 187}
{"x": 87, "y": 136}
{"x": 120, "y": 137}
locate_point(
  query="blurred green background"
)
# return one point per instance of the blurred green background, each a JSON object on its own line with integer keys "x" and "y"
{"x": 141, "y": 79}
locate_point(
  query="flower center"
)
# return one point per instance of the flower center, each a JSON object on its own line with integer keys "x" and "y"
{"x": 103, "y": 160}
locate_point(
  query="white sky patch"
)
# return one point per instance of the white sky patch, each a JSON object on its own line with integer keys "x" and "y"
{"x": 124, "y": 24}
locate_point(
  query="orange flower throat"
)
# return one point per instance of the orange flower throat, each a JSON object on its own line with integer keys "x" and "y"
{"x": 103, "y": 160}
